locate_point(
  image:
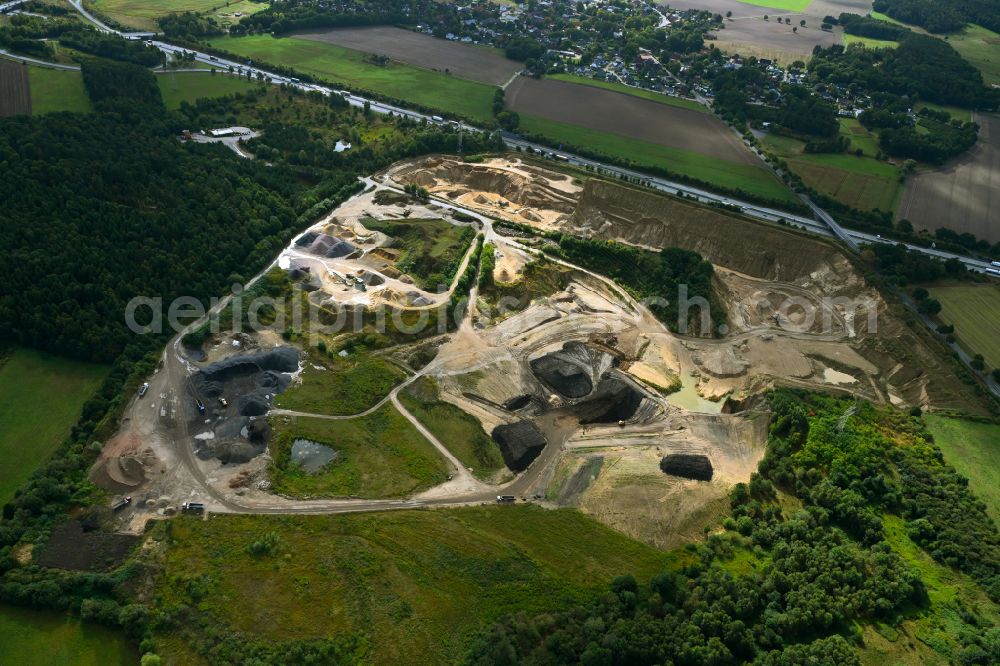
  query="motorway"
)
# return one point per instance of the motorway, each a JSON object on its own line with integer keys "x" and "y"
{"x": 825, "y": 225}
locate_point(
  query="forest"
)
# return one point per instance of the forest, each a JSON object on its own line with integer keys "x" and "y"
{"x": 943, "y": 15}
{"x": 921, "y": 68}
{"x": 819, "y": 571}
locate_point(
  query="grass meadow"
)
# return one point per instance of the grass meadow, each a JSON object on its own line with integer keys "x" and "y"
{"x": 355, "y": 69}
{"x": 40, "y": 399}
{"x": 413, "y": 584}
{"x": 381, "y": 455}
{"x": 973, "y": 309}
{"x": 57, "y": 90}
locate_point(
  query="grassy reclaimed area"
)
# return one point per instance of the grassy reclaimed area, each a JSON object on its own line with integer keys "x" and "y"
{"x": 177, "y": 87}
{"x": 669, "y": 100}
{"x": 393, "y": 587}
{"x": 720, "y": 173}
{"x": 460, "y": 432}
{"x": 433, "y": 90}
{"x": 380, "y": 455}
{"x": 40, "y": 400}
{"x": 974, "y": 450}
{"x": 41, "y": 638}
{"x": 434, "y": 248}
{"x": 972, "y": 309}
{"x": 57, "y": 90}
{"x": 341, "y": 385}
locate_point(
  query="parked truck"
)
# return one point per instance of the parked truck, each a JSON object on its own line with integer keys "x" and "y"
{"x": 121, "y": 503}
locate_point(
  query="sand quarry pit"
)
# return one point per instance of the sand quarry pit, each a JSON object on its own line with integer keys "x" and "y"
{"x": 585, "y": 392}
{"x": 800, "y": 315}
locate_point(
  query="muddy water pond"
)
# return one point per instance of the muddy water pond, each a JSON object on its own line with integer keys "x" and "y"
{"x": 688, "y": 398}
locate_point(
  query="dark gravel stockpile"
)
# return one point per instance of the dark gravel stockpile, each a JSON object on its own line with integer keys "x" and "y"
{"x": 614, "y": 400}
{"x": 688, "y": 465}
{"x": 248, "y": 382}
{"x": 520, "y": 443}
{"x": 566, "y": 371}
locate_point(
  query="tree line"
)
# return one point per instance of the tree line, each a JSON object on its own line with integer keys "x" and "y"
{"x": 943, "y": 15}
{"x": 819, "y": 573}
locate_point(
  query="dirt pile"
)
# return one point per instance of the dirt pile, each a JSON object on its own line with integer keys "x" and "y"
{"x": 76, "y": 547}
{"x": 523, "y": 185}
{"x": 520, "y": 443}
{"x": 236, "y": 391}
{"x": 612, "y": 211}
{"x": 687, "y": 465}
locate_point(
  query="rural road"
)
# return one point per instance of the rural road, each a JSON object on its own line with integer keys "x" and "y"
{"x": 41, "y": 63}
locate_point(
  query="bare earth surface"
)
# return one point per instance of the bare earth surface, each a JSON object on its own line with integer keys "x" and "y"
{"x": 15, "y": 90}
{"x": 964, "y": 195}
{"x": 747, "y": 32}
{"x": 462, "y": 60}
{"x": 609, "y": 111}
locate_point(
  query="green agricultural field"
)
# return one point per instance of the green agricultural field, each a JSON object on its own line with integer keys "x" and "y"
{"x": 381, "y": 455}
{"x": 669, "y": 100}
{"x": 974, "y": 450}
{"x": 783, "y": 5}
{"x": 460, "y": 432}
{"x": 953, "y": 111}
{"x": 142, "y": 14}
{"x": 57, "y": 90}
{"x": 436, "y": 90}
{"x": 869, "y": 42}
{"x": 177, "y": 87}
{"x": 40, "y": 638}
{"x": 981, "y": 47}
{"x": 973, "y": 309}
{"x": 721, "y": 173}
{"x": 859, "y": 136}
{"x": 343, "y": 386}
{"x": 433, "y": 248}
{"x": 40, "y": 400}
{"x": 861, "y": 182}
{"x": 410, "y": 586}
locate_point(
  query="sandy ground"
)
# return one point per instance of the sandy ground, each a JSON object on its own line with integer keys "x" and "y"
{"x": 964, "y": 196}
{"x": 465, "y": 61}
{"x": 610, "y": 111}
{"x": 747, "y": 33}
{"x": 487, "y": 362}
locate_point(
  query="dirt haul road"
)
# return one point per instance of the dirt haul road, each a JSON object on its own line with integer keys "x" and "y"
{"x": 163, "y": 417}
{"x": 160, "y": 420}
